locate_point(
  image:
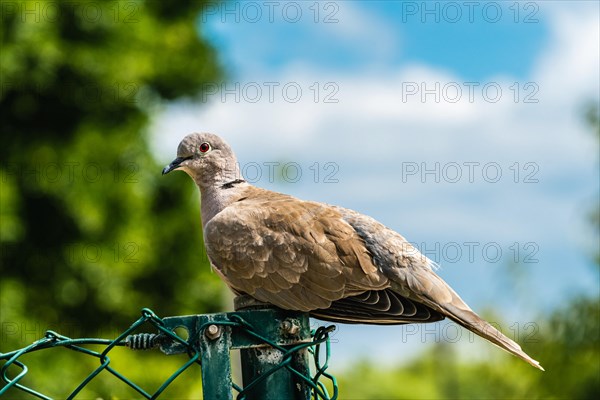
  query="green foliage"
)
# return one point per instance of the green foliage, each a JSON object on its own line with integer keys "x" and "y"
{"x": 568, "y": 346}
{"x": 91, "y": 232}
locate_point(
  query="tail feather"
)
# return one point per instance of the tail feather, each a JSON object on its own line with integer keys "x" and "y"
{"x": 431, "y": 290}
{"x": 477, "y": 325}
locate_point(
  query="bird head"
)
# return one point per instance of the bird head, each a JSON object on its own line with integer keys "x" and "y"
{"x": 206, "y": 158}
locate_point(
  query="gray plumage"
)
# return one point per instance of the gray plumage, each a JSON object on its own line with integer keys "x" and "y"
{"x": 332, "y": 262}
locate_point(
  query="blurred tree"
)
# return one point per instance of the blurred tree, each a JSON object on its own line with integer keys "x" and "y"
{"x": 90, "y": 232}
{"x": 592, "y": 116}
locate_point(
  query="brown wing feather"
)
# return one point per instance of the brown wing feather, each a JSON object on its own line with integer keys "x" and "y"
{"x": 382, "y": 307}
{"x": 294, "y": 254}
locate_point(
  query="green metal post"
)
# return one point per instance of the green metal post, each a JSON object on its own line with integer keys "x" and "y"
{"x": 216, "y": 364}
{"x": 279, "y": 385}
{"x": 266, "y": 372}
{"x": 256, "y": 360}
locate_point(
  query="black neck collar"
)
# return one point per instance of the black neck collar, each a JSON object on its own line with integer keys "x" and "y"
{"x": 231, "y": 184}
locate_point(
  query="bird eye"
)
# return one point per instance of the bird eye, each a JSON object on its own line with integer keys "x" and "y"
{"x": 204, "y": 147}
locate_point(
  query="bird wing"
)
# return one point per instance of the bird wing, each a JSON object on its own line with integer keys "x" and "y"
{"x": 294, "y": 254}
{"x": 304, "y": 256}
{"x": 381, "y": 307}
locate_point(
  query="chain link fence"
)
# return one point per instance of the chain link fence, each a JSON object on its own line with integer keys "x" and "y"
{"x": 275, "y": 347}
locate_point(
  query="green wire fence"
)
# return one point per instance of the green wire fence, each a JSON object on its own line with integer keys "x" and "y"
{"x": 275, "y": 347}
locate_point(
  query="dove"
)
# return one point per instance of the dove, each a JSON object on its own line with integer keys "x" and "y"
{"x": 331, "y": 262}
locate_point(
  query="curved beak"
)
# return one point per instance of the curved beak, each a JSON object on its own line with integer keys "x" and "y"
{"x": 174, "y": 164}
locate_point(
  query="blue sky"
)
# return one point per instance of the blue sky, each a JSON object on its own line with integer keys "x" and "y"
{"x": 473, "y": 41}
{"x": 465, "y": 41}
{"x": 401, "y": 80}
